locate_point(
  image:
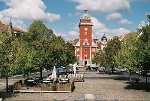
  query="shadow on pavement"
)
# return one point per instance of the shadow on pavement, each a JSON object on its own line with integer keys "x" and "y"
{"x": 138, "y": 86}
{"x": 134, "y": 85}
{"x": 9, "y": 94}
{"x": 121, "y": 78}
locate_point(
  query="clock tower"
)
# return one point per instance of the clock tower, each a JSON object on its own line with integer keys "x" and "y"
{"x": 85, "y": 38}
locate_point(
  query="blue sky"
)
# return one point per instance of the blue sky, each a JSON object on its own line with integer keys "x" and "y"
{"x": 112, "y": 17}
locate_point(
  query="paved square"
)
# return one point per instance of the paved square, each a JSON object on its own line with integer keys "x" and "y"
{"x": 96, "y": 86}
{"x": 89, "y": 96}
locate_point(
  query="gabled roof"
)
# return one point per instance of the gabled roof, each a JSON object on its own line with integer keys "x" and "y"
{"x": 5, "y": 26}
{"x": 95, "y": 42}
{"x": 124, "y": 37}
{"x": 18, "y": 30}
{"x": 75, "y": 41}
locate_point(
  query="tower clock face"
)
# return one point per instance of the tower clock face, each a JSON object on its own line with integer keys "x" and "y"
{"x": 85, "y": 29}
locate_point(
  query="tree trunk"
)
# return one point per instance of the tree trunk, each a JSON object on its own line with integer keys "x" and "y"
{"x": 112, "y": 70}
{"x": 146, "y": 81}
{"x": 6, "y": 83}
{"x": 147, "y": 89}
{"x": 24, "y": 74}
{"x": 41, "y": 72}
{"x": 129, "y": 76}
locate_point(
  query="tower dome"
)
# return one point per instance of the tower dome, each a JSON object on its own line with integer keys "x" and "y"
{"x": 85, "y": 15}
{"x": 104, "y": 38}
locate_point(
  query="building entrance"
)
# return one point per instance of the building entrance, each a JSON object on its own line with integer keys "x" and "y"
{"x": 85, "y": 62}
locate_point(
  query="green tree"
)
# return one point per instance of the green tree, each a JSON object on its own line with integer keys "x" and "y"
{"x": 111, "y": 51}
{"x": 60, "y": 53}
{"x": 24, "y": 62}
{"x": 99, "y": 58}
{"x": 126, "y": 57}
{"x": 144, "y": 51}
{"x": 8, "y": 51}
{"x": 40, "y": 37}
{"x": 70, "y": 54}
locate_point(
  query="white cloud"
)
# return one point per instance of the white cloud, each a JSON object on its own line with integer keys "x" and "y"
{"x": 98, "y": 31}
{"x": 117, "y": 16}
{"x": 28, "y": 10}
{"x": 143, "y": 23}
{"x": 114, "y": 16}
{"x": 73, "y": 33}
{"x": 15, "y": 23}
{"x": 78, "y": 13}
{"x": 59, "y": 34}
{"x": 118, "y": 32}
{"x": 69, "y": 14}
{"x": 110, "y": 33}
{"x": 125, "y": 21}
{"x": 4, "y": 19}
{"x": 103, "y": 5}
{"x": 67, "y": 36}
{"x": 22, "y": 11}
{"x": 98, "y": 25}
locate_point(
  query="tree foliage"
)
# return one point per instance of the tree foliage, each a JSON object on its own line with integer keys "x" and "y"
{"x": 144, "y": 48}
{"x": 126, "y": 57}
{"x": 111, "y": 51}
{"x": 34, "y": 50}
{"x": 106, "y": 56}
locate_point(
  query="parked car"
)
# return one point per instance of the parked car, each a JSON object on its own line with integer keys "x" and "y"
{"x": 108, "y": 70}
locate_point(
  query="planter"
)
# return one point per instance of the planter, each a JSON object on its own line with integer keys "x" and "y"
{"x": 17, "y": 86}
{"x": 37, "y": 88}
{"x": 47, "y": 87}
{"x": 24, "y": 88}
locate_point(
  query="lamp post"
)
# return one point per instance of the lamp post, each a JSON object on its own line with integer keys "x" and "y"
{"x": 112, "y": 68}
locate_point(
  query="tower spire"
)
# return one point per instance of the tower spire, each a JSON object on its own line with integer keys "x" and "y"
{"x": 10, "y": 23}
{"x": 10, "y": 29}
{"x": 85, "y": 10}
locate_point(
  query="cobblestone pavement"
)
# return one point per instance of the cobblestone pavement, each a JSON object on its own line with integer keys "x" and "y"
{"x": 102, "y": 86}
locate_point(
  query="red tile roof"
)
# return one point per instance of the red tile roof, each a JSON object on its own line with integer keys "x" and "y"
{"x": 18, "y": 30}
{"x": 5, "y": 26}
{"x": 75, "y": 41}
